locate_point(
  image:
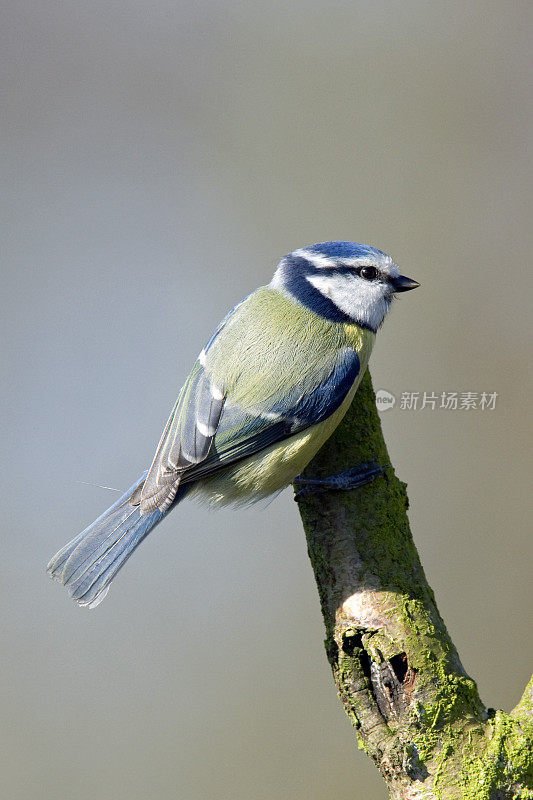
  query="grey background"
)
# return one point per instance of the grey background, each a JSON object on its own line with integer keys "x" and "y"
{"x": 158, "y": 159}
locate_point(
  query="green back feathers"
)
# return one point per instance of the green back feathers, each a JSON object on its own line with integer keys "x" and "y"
{"x": 271, "y": 342}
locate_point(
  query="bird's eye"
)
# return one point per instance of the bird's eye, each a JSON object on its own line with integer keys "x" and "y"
{"x": 368, "y": 273}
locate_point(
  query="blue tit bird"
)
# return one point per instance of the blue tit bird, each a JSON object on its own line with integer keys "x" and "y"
{"x": 268, "y": 389}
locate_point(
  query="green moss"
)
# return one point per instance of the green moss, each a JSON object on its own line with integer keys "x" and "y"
{"x": 503, "y": 758}
{"x": 524, "y": 709}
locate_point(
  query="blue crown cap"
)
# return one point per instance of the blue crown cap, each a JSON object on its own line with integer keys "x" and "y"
{"x": 344, "y": 250}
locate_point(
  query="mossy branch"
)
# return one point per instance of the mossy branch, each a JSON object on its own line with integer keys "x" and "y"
{"x": 416, "y": 712}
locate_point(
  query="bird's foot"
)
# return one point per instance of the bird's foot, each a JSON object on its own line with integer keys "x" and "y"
{"x": 349, "y": 479}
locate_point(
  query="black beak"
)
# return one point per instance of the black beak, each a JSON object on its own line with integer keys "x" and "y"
{"x": 403, "y": 284}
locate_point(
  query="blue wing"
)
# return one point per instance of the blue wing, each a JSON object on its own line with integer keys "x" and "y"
{"x": 188, "y": 434}
{"x": 206, "y": 431}
{"x": 186, "y": 440}
{"x": 244, "y": 432}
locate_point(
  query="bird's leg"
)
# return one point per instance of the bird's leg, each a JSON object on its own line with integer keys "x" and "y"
{"x": 350, "y": 479}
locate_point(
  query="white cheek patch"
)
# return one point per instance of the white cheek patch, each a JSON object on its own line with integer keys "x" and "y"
{"x": 323, "y": 283}
{"x": 366, "y": 302}
{"x": 340, "y": 289}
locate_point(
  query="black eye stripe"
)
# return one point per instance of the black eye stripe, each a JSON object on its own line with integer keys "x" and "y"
{"x": 331, "y": 271}
{"x": 340, "y": 270}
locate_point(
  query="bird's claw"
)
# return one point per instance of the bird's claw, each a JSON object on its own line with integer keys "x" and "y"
{"x": 351, "y": 478}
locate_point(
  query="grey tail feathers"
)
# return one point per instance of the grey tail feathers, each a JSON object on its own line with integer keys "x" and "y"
{"x": 88, "y": 564}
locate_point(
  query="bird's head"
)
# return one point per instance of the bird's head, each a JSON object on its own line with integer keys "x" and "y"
{"x": 342, "y": 281}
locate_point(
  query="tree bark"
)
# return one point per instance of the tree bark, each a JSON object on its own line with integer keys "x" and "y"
{"x": 415, "y": 710}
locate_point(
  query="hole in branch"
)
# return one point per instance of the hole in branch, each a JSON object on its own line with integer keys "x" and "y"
{"x": 364, "y": 660}
{"x": 400, "y": 665}
{"x": 404, "y": 672}
{"x": 352, "y": 641}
